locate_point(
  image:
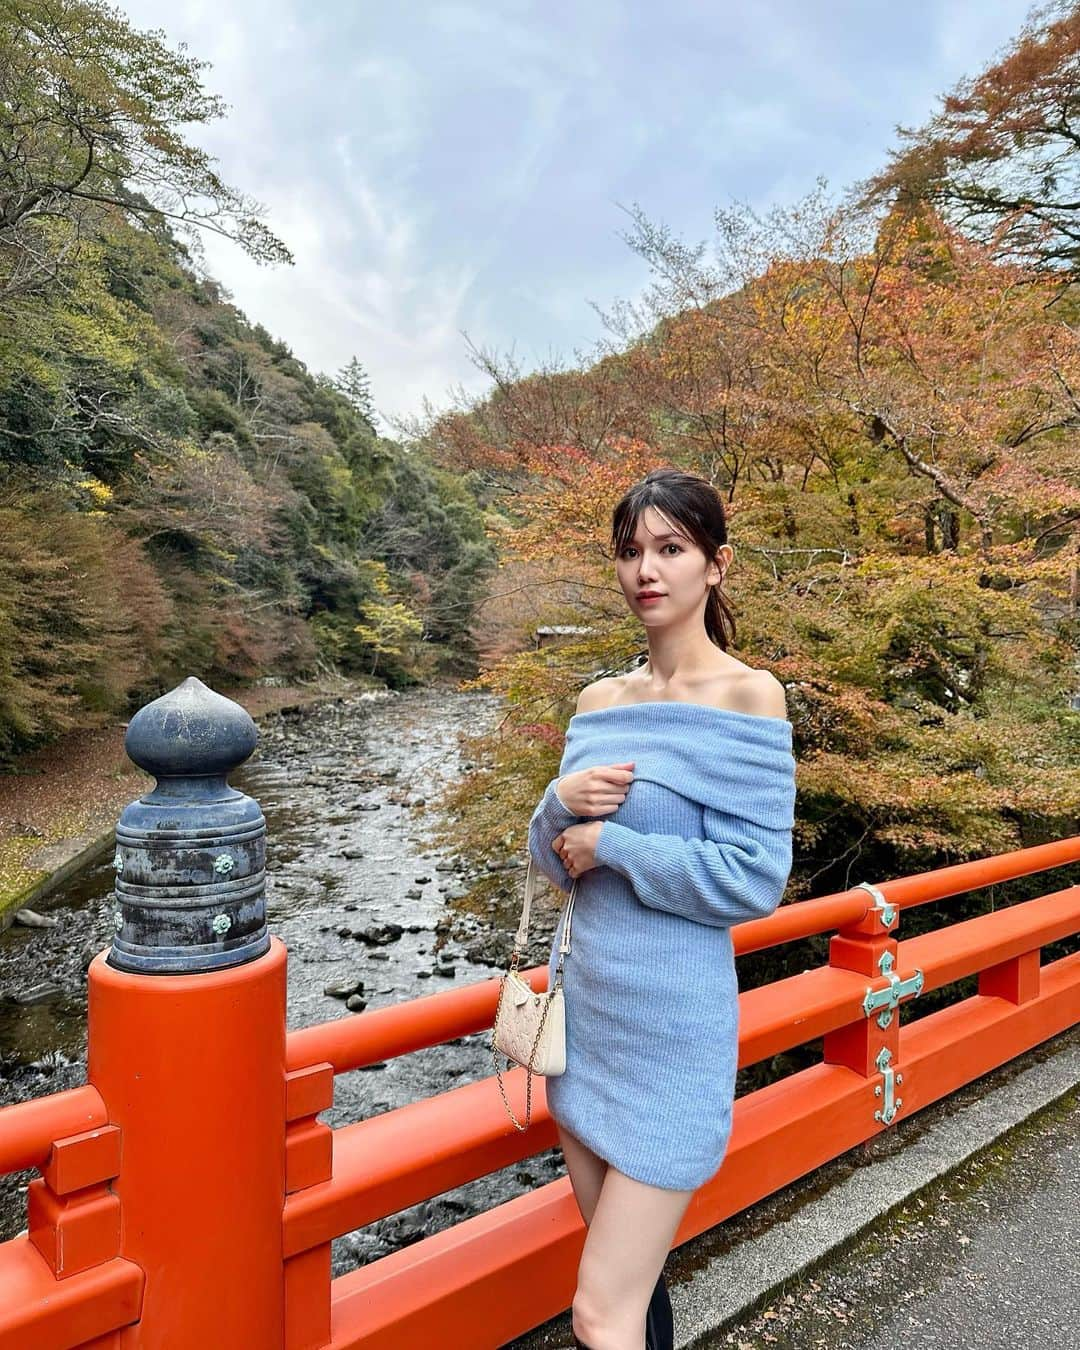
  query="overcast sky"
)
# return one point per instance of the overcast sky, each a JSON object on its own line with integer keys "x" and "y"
{"x": 440, "y": 169}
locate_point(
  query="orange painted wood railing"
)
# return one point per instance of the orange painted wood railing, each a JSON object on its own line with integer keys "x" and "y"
{"x": 188, "y": 1195}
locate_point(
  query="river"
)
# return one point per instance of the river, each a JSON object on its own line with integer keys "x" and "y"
{"x": 345, "y": 852}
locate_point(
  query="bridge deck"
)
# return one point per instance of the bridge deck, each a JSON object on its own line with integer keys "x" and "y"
{"x": 959, "y": 1227}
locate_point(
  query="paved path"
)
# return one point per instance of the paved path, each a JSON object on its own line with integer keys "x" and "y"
{"x": 987, "y": 1258}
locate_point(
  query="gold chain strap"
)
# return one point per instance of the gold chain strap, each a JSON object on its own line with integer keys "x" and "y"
{"x": 532, "y": 1053}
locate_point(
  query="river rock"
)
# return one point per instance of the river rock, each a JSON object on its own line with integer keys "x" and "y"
{"x": 409, "y": 1232}
{"x": 31, "y": 919}
{"x": 352, "y": 853}
{"x": 344, "y": 989}
{"x": 355, "y": 1003}
{"x": 492, "y": 949}
{"x": 39, "y": 993}
{"x": 380, "y": 935}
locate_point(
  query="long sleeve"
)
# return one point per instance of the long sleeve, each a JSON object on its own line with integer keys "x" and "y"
{"x": 737, "y": 872}
{"x": 549, "y": 819}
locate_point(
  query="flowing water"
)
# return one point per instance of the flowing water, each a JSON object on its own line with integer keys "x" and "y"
{"x": 345, "y": 853}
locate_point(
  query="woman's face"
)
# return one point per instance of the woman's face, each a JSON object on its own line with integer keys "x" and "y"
{"x": 661, "y": 558}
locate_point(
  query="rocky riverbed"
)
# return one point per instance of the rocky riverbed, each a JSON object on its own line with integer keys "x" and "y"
{"x": 371, "y": 912}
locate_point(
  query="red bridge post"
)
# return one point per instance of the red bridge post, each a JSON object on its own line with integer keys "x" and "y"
{"x": 192, "y": 1070}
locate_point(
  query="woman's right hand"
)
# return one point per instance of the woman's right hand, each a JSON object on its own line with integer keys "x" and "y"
{"x": 597, "y": 791}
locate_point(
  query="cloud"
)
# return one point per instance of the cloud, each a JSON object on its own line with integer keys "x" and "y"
{"x": 446, "y": 167}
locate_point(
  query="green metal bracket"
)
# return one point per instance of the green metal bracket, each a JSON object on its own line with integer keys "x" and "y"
{"x": 886, "y": 911}
{"x": 889, "y": 998}
{"x": 892, "y": 1104}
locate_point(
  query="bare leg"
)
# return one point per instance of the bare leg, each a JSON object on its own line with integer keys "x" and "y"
{"x": 586, "y": 1172}
{"x": 632, "y": 1229}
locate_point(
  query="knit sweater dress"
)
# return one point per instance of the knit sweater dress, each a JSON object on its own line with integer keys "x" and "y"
{"x": 702, "y": 841}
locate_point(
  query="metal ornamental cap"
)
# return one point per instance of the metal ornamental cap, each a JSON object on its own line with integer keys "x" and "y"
{"x": 190, "y": 855}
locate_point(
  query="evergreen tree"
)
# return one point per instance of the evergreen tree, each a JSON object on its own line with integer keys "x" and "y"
{"x": 353, "y": 382}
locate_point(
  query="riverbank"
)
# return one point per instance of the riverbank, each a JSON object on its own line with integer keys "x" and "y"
{"x": 59, "y": 807}
{"x": 364, "y": 897}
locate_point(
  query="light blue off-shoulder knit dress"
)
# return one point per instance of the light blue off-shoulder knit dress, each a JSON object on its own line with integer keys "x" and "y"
{"x": 702, "y": 841}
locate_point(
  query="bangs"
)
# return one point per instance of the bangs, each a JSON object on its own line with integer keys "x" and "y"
{"x": 625, "y": 524}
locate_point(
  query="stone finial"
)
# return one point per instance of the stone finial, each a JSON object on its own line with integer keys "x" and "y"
{"x": 189, "y": 732}
{"x": 191, "y": 855}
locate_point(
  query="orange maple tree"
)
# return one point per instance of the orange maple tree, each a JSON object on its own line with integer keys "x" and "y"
{"x": 998, "y": 158}
{"x": 890, "y": 411}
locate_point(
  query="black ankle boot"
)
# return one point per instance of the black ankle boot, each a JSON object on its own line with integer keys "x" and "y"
{"x": 659, "y": 1323}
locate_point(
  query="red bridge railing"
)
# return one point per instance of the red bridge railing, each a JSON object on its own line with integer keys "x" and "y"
{"x": 188, "y": 1195}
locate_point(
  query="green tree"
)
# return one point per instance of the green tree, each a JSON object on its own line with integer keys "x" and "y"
{"x": 353, "y": 382}
{"x": 390, "y": 627}
{"x": 91, "y": 120}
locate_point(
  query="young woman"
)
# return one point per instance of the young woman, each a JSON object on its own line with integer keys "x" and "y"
{"x": 673, "y": 810}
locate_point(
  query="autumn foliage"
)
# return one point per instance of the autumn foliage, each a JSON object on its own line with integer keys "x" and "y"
{"x": 998, "y": 158}
{"x": 891, "y": 413}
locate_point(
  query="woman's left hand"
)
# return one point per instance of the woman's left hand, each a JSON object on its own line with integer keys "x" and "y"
{"x": 576, "y": 846}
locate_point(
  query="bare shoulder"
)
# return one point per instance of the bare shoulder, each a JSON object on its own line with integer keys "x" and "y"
{"x": 750, "y": 690}
{"x": 599, "y": 694}
{"x": 766, "y": 695}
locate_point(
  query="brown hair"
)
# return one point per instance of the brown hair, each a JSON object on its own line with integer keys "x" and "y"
{"x": 695, "y": 505}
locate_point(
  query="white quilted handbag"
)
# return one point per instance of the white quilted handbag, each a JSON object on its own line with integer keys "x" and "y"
{"x": 530, "y": 1028}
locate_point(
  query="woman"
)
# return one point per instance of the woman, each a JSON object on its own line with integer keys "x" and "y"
{"x": 673, "y": 810}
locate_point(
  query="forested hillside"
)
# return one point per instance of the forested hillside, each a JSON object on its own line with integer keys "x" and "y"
{"x": 886, "y": 388}
{"x": 178, "y": 493}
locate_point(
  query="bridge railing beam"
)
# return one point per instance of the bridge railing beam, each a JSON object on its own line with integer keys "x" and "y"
{"x": 189, "y": 1194}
